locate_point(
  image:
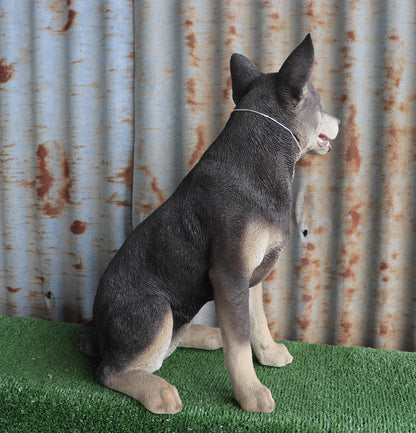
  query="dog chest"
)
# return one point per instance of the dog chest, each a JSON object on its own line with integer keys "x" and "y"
{"x": 261, "y": 246}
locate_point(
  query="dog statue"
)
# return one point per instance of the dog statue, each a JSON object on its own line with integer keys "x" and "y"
{"x": 216, "y": 238}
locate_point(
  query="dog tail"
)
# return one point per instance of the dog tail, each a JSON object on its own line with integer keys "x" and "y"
{"x": 88, "y": 341}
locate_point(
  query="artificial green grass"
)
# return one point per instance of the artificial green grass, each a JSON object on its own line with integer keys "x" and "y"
{"x": 47, "y": 385}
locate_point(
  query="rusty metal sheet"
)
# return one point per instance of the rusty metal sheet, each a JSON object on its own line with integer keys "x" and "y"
{"x": 96, "y": 136}
{"x": 66, "y": 119}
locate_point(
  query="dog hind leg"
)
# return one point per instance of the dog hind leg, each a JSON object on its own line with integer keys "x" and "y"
{"x": 267, "y": 351}
{"x": 201, "y": 337}
{"x": 137, "y": 381}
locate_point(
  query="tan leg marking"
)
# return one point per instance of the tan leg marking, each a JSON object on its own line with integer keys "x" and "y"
{"x": 256, "y": 240}
{"x": 201, "y": 337}
{"x": 137, "y": 379}
{"x": 249, "y": 392}
{"x": 267, "y": 351}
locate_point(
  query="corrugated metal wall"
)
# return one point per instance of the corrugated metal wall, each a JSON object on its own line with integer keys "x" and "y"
{"x": 105, "y": 105}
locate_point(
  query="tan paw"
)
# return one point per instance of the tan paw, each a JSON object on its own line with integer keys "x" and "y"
{"x": 273, "y": 355}
{"x": 163, "y": 399}
{"x": 258, "y": 400}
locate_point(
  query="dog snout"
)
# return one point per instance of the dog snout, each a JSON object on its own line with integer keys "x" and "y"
{"x": 330, "y": 125}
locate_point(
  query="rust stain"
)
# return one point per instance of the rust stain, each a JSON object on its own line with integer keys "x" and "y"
{"x": 145, "y": 208}
{"x": 346, "y": 328}
{"x": 383, "y": 266}
{"x": 78, "y": 227}
{"x": 343, "y": 98}
{"x": 271, "y": 277}
{"x": 304, "y": 261}
{"x": 303, "y": 324}
{"x": 354, "y": 218}
{"x": 309, "y": 10}
{"x": 45, "y": 178}
{"x": 51, "y": 211}
{"x": 266, "y": 4}
{"x": 64, "y": 194}
{"x": 347, "y": 273}
{"x": 388, "y": 103}
{"x": 65, "y": 168}
{"x": 386, "y": 325}
{"x": 310, "y": 246}
{"x": 226, "y": 91}
{"x": 199, "y": 148}
{"x": 58, "y": 5}
{"x": 384, "y": 328}
{"x": 354, "y": 259}
{"x": 26, "y": 183}
{"x": 114, "y": 200}
{"x": 12, "y": 308}
{"x": 123, "y": 203}
{"x": 316, "y": 263}
{"x": 353, "y": 154}
{"x": 394, "y": 37}
{"x": 271, "y": 325}
{"x": 6, "y": 71}
{"x": 305, "y": 161}
{"x": 125, "y": 177}
{"x": 395, "y": 134}
{"x": 12, "y": 290}
{"x": 191, "y": 41}
{"x": 232, "y": 33}
{"x": 306, "y": 298}
{"x": 267, "y": 298}
{"x": 350, "y": 293}
{"x": 70, "y": 20}
{"x": 32, "y": 294}
{"x": 394, "y": 74}
{"x": 191, "y": 89}
{"x": 274, "y": 16}
{"x": 350, "y": 36}
{"x": 153, "y": 184}
{"x": 79, "y": 265}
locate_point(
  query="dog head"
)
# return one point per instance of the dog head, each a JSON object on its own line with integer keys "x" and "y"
{"x": 287, "y": 96}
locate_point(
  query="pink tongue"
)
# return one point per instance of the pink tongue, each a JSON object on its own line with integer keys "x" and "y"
{"x": 323, "y": 140}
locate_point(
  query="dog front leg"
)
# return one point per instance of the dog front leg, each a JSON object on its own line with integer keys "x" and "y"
{"x": 267, "y": 351}
{"x": 233, "y": 315}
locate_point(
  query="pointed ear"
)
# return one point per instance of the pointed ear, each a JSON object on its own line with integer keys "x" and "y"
{"x": 243, "y": 72}
{"x": 297, "y": 68}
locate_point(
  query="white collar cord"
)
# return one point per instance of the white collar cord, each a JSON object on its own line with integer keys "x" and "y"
{"x": 275, "y": 121}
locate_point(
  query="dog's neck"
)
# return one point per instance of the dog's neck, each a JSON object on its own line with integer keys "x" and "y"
{"x": 298, "y": 151}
